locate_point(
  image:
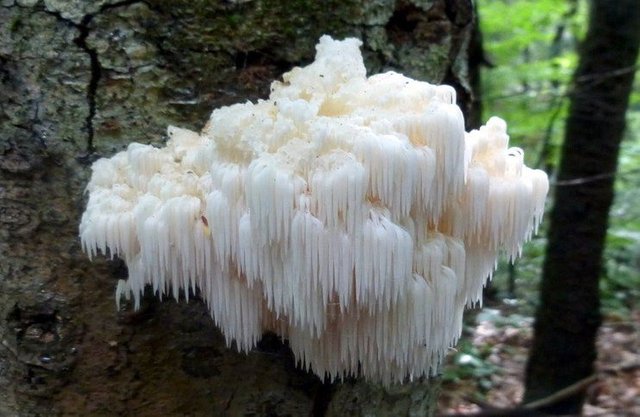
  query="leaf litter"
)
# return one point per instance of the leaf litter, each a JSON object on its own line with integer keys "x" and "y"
{"x": 488, "y": 369}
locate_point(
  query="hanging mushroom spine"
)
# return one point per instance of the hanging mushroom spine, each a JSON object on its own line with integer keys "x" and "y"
{"x": 351, "y": 215}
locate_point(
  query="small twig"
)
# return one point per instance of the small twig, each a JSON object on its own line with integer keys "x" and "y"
{"x": 562, "y": 394}
{"x": 499, "y": 412}
{"x": 556, "y": 105}
{"x": 592, "y": 178}
{"x": 583, "y": 180}
{"x": 602, "y": 76}
{"x": 530, "y": 409}
{"x": 623, "y": 367}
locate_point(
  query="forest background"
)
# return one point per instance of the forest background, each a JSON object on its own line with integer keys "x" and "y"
{"x": 80, "y": 79}
{"x": 531, "y": 52}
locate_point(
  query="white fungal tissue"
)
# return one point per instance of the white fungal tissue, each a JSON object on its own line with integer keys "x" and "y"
{"x": 351, "y": 215}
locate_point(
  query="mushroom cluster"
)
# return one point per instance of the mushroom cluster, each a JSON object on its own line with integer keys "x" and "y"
{"x": 352, "y": 215}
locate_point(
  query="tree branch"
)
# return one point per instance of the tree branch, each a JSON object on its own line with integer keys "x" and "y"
{"x": 530, "y": 409}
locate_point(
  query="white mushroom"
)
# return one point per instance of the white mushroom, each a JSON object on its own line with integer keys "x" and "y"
{"x": 351, "y": 215}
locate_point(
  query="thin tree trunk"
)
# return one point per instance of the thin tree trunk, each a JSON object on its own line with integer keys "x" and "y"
{"x": 80, "y": 80}
{"x": 568, "y": 316}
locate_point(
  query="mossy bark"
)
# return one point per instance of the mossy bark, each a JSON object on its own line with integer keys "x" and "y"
{"x": 81, "y": 79}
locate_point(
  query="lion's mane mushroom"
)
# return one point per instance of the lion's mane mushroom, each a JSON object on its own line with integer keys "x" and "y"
{"x": 351, "y": 215}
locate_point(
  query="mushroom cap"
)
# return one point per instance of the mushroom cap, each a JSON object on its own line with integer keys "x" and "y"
{"x": 352, "y": 215}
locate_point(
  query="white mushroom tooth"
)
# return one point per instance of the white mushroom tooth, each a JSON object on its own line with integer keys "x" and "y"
{"x": 351, "y": 215}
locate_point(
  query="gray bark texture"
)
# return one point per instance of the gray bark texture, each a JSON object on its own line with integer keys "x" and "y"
{"x": 81, "y": 79}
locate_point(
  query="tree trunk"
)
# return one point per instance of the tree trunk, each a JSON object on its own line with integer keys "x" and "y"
{"x": 80, "y": 80}
{"x": 568, "y": 316}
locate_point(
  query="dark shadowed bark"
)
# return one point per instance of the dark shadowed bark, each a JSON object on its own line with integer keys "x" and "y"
{"x": 81, "y": 79}
{"x": 568, "y": 316}
{"x": 473, "y": 94}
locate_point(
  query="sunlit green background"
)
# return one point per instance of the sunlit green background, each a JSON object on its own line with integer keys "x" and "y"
{"x": 532, "y": 46}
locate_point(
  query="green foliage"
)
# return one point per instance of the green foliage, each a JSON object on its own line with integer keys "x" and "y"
{"x": 620, "y": 285}
{"x": 526, "y": 275}
{"x": 470, "y": 363}
{"x": 533, "y": 47}
{"x": 477, "y": 361}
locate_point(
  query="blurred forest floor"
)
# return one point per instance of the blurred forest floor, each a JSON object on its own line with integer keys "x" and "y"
{"x": 488, "y": 367}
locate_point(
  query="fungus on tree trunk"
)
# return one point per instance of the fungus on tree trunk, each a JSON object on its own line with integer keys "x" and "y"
{"x": 353, "y": 216}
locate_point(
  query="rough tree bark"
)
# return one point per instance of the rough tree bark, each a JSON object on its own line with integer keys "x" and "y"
{"x": 79, "y": 80}
{"x": 568, "y": 316}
